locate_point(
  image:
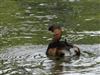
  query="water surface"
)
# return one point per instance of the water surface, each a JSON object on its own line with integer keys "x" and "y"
{"x": 31, "y": 60}
{"x": 24, "y": 36}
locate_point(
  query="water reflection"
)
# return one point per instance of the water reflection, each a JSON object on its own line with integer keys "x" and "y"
{"x": 57, "y": 68}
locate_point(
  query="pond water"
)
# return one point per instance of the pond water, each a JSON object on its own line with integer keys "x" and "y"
{"x": 24, "y": 36}
{"x": 31, "y": 60}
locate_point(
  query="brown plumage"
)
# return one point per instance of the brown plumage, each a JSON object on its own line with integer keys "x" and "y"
{"x": 57, "y": 47}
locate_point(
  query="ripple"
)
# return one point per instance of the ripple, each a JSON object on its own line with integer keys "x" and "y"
{"x": 32, "y": 60}
{"x": 46, "y": 16}
{"x": 91, "y": 33}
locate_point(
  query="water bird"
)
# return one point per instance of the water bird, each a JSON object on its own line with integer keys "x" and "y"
{"x": 58, "y": 48}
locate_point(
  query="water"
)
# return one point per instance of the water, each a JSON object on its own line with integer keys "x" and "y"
{"x": 24, "y": 36}
{"x": 31, "y": 60}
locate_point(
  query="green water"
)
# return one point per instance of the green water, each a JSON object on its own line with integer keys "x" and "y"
{"x": 24, "y": 36}
{"x": 26, "y": 21}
